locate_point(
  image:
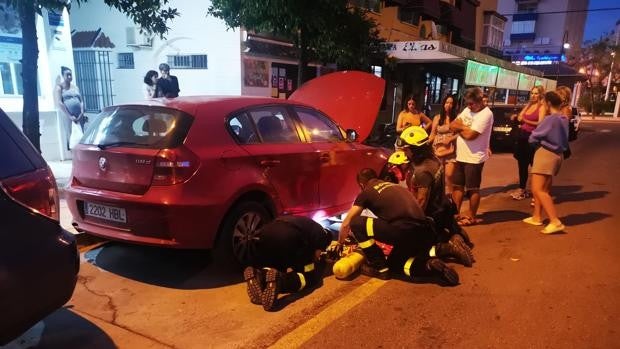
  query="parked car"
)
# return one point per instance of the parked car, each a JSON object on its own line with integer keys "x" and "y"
{"x": 38, "y": 259}
{"x": 504, "y": 129}
{"x": 190, "y": 171}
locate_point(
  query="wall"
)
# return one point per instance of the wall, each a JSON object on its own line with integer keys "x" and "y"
{"x": 193, "y": 32}
{"x": 54, "y": 44}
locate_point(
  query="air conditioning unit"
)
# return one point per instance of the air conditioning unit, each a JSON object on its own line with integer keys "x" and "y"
{"x": 137, "y": 39}
{"x": 428, "y": 30}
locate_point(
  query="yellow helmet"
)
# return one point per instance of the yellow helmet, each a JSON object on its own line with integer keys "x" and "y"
{"x": 414, "y": 135}
{"x": 398, "y": 158}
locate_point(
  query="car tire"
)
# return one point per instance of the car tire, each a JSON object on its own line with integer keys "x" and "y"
{"x": 240, "y": 231}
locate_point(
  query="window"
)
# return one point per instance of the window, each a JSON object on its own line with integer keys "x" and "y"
{"x": 527, "y": 7}
{"x": 242, "y": 129}
{"x": 274, "y": 126}
{"x": 493, "y": 34}
{"x": 92, "y": 75}
{"x": 11, "y": 82}
{"x": 408, "y": 16}
{"x": 188, "y": 61}
{"x": 125, "y": 60}
{"x": 372, "y": 5}
{"x": 318, "y": 127}
{"x": 376, "y": 70}
{"x": 523, "y": 27}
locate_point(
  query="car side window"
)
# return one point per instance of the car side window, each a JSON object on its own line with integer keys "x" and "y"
{"x": 274, "y": 125}
{"x": 318, "y": 127}
{"x": 242, "y": 129}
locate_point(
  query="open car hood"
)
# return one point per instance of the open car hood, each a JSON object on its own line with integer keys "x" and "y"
{"x": 351, "y": 98}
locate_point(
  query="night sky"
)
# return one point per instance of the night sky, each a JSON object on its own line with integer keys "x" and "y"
{"x": 599, "y": 22}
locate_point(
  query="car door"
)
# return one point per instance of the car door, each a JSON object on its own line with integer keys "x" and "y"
{"x": 339, "y": 160}
{"x": 291, "y": 166}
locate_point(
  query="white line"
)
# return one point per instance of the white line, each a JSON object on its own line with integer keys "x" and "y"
{"x": 307, "y": 330}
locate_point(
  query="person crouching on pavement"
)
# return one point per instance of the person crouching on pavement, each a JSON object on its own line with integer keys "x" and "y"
{"x": 427, "y": 183}
{"x": 401, "y": 223}
{"x": 288, "y": 242}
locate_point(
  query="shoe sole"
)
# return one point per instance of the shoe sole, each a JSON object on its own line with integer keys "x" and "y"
{"x": 447, "y": 274}
{"x": 468, "y": 259}
{"x": 253, "y": 285}
{"x": 268, "y": 297}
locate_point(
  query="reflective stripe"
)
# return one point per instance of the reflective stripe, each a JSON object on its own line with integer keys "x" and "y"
{"x": 367, "y": 243}
{"x": 302, "y": 280}
{"x": 432, "y": 252}
{"x": 369, "y": 229}
{"x": 407, "y": 268}
{"x": 308, "y": 267}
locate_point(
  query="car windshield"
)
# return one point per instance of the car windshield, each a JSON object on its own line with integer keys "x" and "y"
{"x": 139, "y": 127}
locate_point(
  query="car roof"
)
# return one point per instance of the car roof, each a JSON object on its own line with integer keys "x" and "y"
{"x": 223, "y": 104}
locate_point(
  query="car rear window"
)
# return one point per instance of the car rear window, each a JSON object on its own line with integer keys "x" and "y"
{"x": 138, "y": 126}
{"x": 18, "y": 155}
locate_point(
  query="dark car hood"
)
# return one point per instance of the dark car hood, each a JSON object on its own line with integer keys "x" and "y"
{"x": 351, "y": 98}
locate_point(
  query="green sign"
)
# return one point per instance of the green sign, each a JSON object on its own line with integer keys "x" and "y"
{"x": 478, "y": 74}
{"x": 526, "y": 82}
{"x": 507, "y": 79}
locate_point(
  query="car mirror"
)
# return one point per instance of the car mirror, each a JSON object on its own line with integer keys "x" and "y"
{"x": 351, "y": 135}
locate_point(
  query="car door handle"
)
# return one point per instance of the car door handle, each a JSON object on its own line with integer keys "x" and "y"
{"x": 269, "y": 163}
{"x": 324, "y": 157}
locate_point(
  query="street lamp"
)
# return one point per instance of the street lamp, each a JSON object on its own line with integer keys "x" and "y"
{"x": 611, "y": 69}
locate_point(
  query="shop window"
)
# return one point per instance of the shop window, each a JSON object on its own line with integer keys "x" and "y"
{"x": 318, "y": 127}
{"x": 188, "y": 61}
{"x": 125, "y": 60}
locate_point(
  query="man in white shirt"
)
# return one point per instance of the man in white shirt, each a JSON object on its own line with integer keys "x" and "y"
{"x": 473, "y": 125}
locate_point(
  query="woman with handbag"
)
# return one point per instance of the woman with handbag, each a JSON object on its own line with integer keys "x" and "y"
{"x": 444, "y": 140}
{"x": 551, "y": 138}
{"x": 529, "y": 117}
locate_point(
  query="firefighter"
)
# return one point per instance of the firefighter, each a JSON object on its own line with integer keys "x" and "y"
{"x": 288, "y": 243}
{"x": 401, "y": 223}
{"x": 398, "y": 168}
{"x": 427, "y": 182}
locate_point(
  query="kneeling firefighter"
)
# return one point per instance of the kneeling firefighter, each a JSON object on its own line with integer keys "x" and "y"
{"x": 401, "y": 223}
{"x": 427, "y": 182}
{"x": 288, "y": 242}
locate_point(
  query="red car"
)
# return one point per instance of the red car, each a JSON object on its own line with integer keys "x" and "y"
{"x": 190, "y": 171}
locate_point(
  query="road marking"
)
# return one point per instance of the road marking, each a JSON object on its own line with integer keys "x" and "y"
{"x": 307, "y": 330}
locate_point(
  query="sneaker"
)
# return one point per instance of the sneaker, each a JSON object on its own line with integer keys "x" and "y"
{"x": 368, "y": 270}
{"x": 445, "y": 273}
{"x": 255, "y": 281}
{"x": 273, "y": 280}
{"x": 456, "y": 248}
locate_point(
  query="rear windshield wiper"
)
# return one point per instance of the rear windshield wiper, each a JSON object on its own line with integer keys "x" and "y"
{"x": 119, "y": 144}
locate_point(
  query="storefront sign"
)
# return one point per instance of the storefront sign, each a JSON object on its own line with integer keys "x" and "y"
{"x": 416, "y": 50}
{"x": 478, "y": 74}
{"x": 507, "y": 79}
{"x": 526, "y": 82}
{"x": 551, "y": 85}
{"x": 537, "y": 59}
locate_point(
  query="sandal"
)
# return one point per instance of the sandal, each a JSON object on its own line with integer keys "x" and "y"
{"x": 465, "y": 221}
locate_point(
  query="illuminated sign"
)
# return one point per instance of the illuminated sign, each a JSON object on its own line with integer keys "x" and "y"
{"x": 479, "y": 74}
{"x": 538, "y": 59}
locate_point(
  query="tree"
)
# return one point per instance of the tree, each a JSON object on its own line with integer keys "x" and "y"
{"x": 149, "y": 14}
{"x": 324, "y": 30}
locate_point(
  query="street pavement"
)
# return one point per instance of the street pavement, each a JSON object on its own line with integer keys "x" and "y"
{"x": 526, "y": 290}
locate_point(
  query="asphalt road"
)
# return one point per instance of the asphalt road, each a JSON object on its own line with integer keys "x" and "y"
{"x": 526, "y": 290}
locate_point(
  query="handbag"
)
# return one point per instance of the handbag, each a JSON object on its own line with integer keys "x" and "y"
{"x": 443, "y": 149}
{"x": 76, "y": 135}
{"x": 567, "y": 153}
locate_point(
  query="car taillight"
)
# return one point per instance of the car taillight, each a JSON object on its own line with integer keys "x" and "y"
{"x": 36, "y": 190}
{"x": 173, "y": 166}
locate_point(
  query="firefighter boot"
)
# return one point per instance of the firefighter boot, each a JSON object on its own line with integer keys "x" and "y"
{"x": 255, "y": 281}
{"x": 273, "y": 282}
{"x": 455, "y": 248}
{"x": 445, "y": 273}
{"x": 375, "y": 265}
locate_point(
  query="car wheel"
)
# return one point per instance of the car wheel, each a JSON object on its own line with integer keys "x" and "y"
{"x": 241, "y": 230}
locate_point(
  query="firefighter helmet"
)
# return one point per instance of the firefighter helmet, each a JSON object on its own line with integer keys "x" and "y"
{"x": 398, "y": 158}
{"x": 414, "y": 135}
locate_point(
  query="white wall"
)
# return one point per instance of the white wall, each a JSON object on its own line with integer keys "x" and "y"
{"x": 193, "y": 32}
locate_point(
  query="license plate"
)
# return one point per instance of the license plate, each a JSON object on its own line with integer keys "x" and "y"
{"x": 109, "y": 213}
{"x": 502, "y": 129}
